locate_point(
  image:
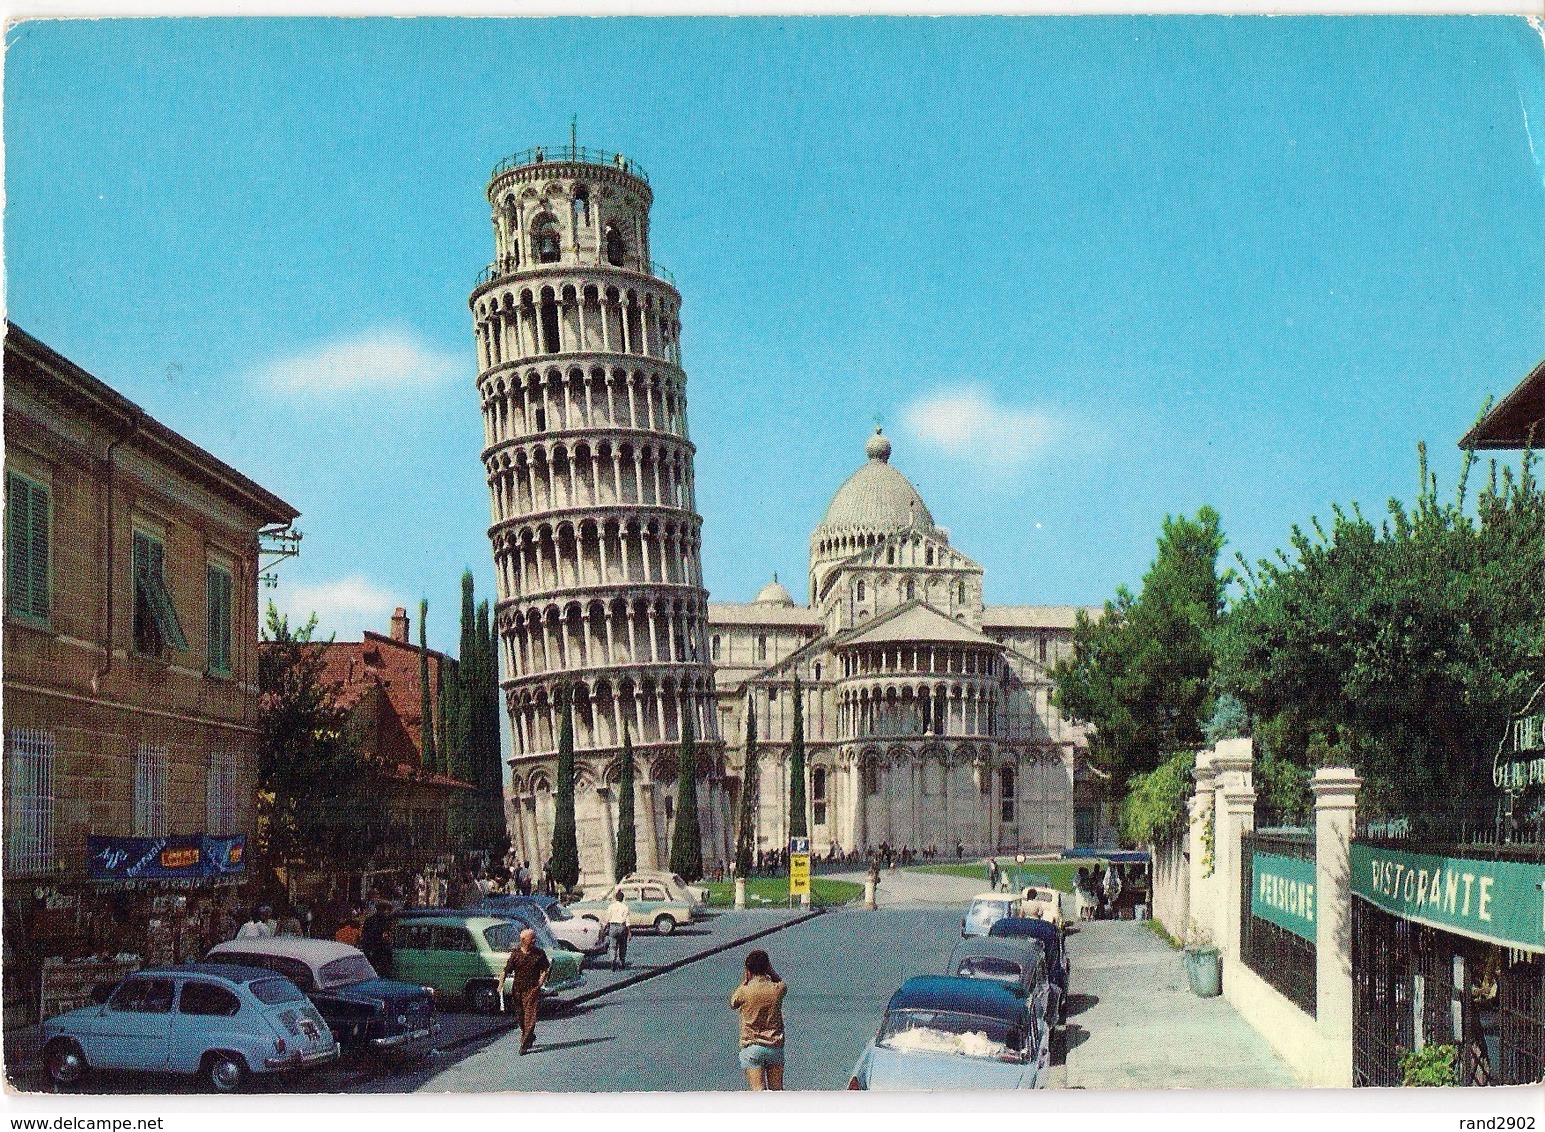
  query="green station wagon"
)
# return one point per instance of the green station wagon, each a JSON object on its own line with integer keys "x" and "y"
{"x": 462, "y": 957}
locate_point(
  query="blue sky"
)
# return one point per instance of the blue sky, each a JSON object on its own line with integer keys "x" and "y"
{"x": 1087, "y": 271}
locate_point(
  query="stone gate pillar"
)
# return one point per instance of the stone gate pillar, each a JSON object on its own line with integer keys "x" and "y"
{"x": 1232, "y": 760}
{"x": 1335, "y": 817}
{"x": 1198, "y": 817}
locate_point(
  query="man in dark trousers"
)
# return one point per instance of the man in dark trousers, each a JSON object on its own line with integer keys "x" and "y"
{"x": 527, "y": 967}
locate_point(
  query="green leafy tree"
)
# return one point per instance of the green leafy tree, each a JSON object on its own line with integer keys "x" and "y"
{"x": 686, "y": 841}
{"x": 745, "y": 827}
{"x": 1154, "y": 809}
{"x": 1140, "y": 675}
{"x": 798, "y": 824}
{"x": 426, "y": 718}
{"x": 627, "y": 825}
{"x": 565, "y": 846}
{"x": 488, "y": 757}
{"x": 1400, "y": 647}
{"x": 317, "y": 791}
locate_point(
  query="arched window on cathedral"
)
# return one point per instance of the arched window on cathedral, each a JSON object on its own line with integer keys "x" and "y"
{"x": 582, "y": 204}
{"x": 962, "y": 593}
{"x": 818, "y": 672}
{"x": 858, "y": 591}
{"x": 544, "y": 237}
{"x": 890, "y": 556}
{"x": 911, "y": 589}
{"x": 1006, "y": 794}
{"x": 928, "y": 557}
{"x": 716, "y": 646}
{"x": 818, "y": 796}
{"x": 871, "y": 779}
{"x": 761, "y": 647}
{"x": 616, "y": 250}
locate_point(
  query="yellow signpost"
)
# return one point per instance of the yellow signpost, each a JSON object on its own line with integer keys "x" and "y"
{"x": 799, "y": 874}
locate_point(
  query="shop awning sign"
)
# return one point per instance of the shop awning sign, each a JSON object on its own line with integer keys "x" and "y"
{"x": 178, "y": 857}
{"x": 1501, "y": 902}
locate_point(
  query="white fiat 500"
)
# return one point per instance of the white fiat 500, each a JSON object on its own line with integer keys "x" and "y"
{"x": 218, "y": 1021}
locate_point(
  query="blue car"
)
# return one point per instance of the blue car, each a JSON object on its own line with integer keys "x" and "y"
{"x": 1050, "y": 939}
{"x": 943, "y": 1032}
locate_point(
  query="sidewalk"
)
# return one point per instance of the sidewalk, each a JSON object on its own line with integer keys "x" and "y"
{"x": 902, "y": 888}
{"x": 1133, "y": 1022}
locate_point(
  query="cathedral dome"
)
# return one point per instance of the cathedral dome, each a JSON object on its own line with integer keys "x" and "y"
{"x": 774, "y": 593}
{"x": 876, "y": 497}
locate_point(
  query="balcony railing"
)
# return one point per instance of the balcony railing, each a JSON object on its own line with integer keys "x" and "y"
{"x": 501, "y": 269}
{"x": 585, "y": 155}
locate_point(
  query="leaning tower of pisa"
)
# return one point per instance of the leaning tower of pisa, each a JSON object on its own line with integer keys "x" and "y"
{"x": 595, "y": 533}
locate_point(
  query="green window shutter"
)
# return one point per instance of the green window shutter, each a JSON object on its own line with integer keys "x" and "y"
{"x": 26, "y": 547}
{"x": 41, "y": 505}
{"x": 219, "y": 595}
{"x": 150, "y": 589}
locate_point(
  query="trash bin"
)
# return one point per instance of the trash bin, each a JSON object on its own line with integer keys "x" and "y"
{"x": 1204, "y": 971}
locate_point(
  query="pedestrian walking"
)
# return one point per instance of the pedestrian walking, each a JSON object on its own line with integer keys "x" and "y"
{"x": 527, "y": 969}
{"x": 759, "y": 999}
{"x": 375, "y": 938}
{"x": 257, "y": 926}
{"x": 617, "y": 930}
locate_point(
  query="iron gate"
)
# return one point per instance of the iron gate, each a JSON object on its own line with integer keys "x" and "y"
{"x": 1284, "y": 960}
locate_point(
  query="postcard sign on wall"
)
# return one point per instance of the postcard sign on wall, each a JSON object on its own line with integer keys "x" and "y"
{"x": 178, "y": 857}
{"x": 1502, "y": 902}
{"x": 1282, "y": 892}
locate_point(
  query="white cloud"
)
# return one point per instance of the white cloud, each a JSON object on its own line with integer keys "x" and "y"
{"x": 382, "y": 358}
{"x": 965, "y": 422}
{"x": 345, "y": 607}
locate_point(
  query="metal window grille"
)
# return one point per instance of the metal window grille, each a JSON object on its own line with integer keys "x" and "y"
{"x": 1284, "y": 960}
{"x": 220, "y": 793}
{"x": 27, "y": 506}
{"x": 29, "y": 818}
{"x": 150, "y": 791}
{"x": 219, "y": 590}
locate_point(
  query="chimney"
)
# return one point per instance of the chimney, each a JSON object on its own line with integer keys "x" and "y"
{"x": 400, "y": 625}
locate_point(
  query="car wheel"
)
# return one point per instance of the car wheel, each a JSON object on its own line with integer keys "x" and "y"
{"x": 483, "y": 997}
{"x": 664, "y": 924}
{"x": 225, "y": 1072}
{"x": 592, "y": 918}
{"x": 64, "y": 1061}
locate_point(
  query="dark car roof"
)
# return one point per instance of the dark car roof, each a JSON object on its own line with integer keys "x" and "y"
{"x": 235, "y": 972}
{"x": 1024, "y": 926}
{"x": 1017, "y": 948}
{"x": 964, "y": 996}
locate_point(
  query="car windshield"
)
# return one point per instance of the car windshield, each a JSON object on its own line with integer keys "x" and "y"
{"x": 557, "y": 913}
{"x": 989, "y": 910}
{"x": 991, "y": 967}
{"x": 271, "y": 992}
{"x": 944, "y": 1031}
{"x": 345, "y": 972}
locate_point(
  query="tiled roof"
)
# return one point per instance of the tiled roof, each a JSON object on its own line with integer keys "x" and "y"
{"x": 762, "y": 613}
{"x": 1034, "y": 616}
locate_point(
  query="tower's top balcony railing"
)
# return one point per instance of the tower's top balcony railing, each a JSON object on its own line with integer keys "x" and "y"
{"x": 501, "y": 268}
{"x": 585, "y": 155}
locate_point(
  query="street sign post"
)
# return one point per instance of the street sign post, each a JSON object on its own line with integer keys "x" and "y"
{"x": 799, "y": 874}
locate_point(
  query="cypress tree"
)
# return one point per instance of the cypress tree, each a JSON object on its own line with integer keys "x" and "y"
{"x": 798, "y": 827}
{"x": 426, "y": 720}
{"x": 627, "y": 833}
{"x": 745, "y": 830}
{"x": 565, "y": 847}
{"x": 686, "y": 842}
{"x": 492, "y": 832}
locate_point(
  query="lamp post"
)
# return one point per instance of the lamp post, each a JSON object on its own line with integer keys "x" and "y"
{"x": 1019, "y": 860}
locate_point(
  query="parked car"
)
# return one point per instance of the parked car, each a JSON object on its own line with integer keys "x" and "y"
{"x": 1018, "y": 962}
{"x": 462, "y": 956}
{"x": 986, "y": 908}
{"x": 223, "y": 1023}
{"x": 523, "y": 914}
{"x": 1042, "y": 903}
{"x": 578, "y": 932}
{"x": 945, "y": 1032}
{"x": 369, "y": 1014}
{"x": 1049, "y": 936}
{"x": 650, "y": 905}
{"x": 694, "y": 894}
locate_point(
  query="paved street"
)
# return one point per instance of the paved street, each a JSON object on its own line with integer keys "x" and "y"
{"x": 1133, "y": 1023}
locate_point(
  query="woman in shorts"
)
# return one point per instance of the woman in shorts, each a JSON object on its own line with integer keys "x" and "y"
{"x": 759, "y": 998}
